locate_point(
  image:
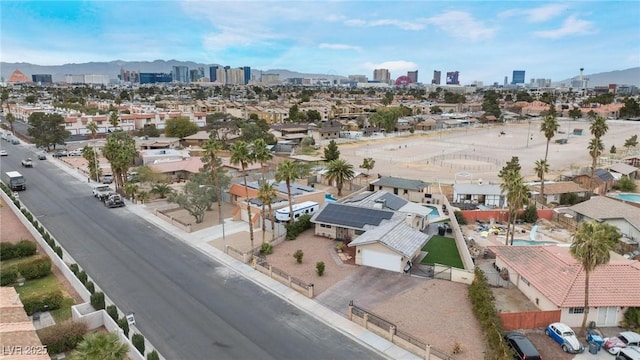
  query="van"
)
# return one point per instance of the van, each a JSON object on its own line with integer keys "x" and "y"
{"x": 629, "y": 353}
{"x": 522, "y": 347}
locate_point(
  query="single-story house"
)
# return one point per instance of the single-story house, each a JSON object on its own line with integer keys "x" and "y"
{"x": 489, "y": 195}
{"x": 624, "y": 170}
{"x": 602, "y": 183}
{"x": 553, "y": 280}
{"x": 152, "y": 156}
{"x": 615, "y": 212}
{"x": 345, "y": 222}
{"x": 554, "y": 191}
{"x": 178, "y": 170}
{"x": 391, "y": 246}
{"x": 382, "y": 199}
{"x": 410, "y": 189}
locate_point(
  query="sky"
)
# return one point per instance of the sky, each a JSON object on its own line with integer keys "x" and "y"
{"x": 483, "y": 40}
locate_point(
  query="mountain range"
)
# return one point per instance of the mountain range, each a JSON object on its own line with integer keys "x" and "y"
{"x": 112, "y": 69}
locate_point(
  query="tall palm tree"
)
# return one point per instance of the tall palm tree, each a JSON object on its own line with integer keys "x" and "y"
{"x": 549, "y": 127}
{"x": 591, "y": 246}
{"x": 93, "y": 128}
{"x": 541, "y": 168}
{"x": 516, "y": 193}
{"x": 339, "y": 171}
{"x": 266, "y": 193}
{"x": 211, "y": 149}
{"x": 241, "y": 155}
{"x": 289, "y": 172}
{"x": 100, "y": 346}
{"x": 261, "y": 154}
{"x": 11, "y": 119}
{"x": 598, "y": 128}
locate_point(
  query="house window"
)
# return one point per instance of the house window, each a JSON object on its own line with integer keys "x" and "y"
{"x": 405, "y": 192}
{"x": 576, "y": 310}
{"x": 395, "y": 191}
{"x": 524, "y": 280}
{"x": 359, "y": 232}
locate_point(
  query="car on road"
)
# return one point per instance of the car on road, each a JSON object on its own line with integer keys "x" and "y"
{"x": 621, "y": 341}
{"x": 15, "y": 141}
{"x": 28, "y": 162}
{"x": 521, "y": 346}
{"x": 42, "y": 156}
{"x": 107, "y": 179}
{"x": 4, "y": 153}
{"x": 114, "y": 200}
{"x": 565, "y": 336}
{"x": 102, "y": 192}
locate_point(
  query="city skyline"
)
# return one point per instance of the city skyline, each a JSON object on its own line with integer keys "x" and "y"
{"x": 484, "y": 41}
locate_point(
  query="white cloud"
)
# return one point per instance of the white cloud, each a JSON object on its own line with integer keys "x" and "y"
{"x": 461, "y": 25}
{"x": 395, "y": 66}
{"x": 339, "y": 47}
{"x": 571, "y": 26}
{"x": 539, "y": 14}
{"x": 402, "y": 24}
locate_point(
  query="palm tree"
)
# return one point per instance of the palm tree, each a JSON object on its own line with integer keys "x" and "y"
{"x": 143, "y": 196}
{"x": 541, "y": 168}
{"x": 11, "y": 119}
{"x": 100, "y": 346}
{"x": 266, "y": 193}
{"x": 241, "y": 155}
{"x": 289, "y": 172}
{"x": 516, "y": 192}
{"x": 130, "y": 189}
{"x": 93, "y": 128}
{"x": 549, "y": 127}
{"x": 598, "y": 128}
{"x": 211, "y": 148}
{"x": 261, "y": 154}
{"x": 162, "y": 190}
{"x": 591, "y": 246}
{"x": 339, "y": 171}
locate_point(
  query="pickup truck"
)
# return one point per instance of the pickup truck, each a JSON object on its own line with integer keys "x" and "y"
{"x": 102, "y": 192}
{"x": 114, "y": 200}
{"x": 28, "y": 162}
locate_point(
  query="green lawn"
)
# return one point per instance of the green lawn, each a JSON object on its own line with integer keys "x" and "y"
{"x": 442, "y": 250}
{"x": 44, "y": 285}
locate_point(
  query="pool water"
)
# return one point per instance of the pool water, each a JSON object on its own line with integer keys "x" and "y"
{"x": 329, "y": 197}
{"x": 629, "y": 197}
{"x": 435, "y": 212}
{"x": 523, "y": 242}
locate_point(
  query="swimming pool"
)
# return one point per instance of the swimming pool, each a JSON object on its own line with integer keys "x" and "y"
{"x": 523, "y": 242}
{"x": 629, "y": 197}
{"x": 328, "y": 197}
{"x": 435, "y": 212}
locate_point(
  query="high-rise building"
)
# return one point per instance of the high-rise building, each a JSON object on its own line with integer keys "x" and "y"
{"x": 180, "y": 74}
{"x": 437, "y": 77}
{"x": 270, "y": 78}
{"x": 413, "y": 75}
{"x": 213, "y": 73}
{"x": 247, "y": 74}
{"x": 358, "y": 78}
{"x": 518, "y": 77}
{"x": 382, "y": 75}
{"x": 152, "y": 78}
{"x": 41, "y": 78}
{"x": 235, "y": 76}
{"x": 453, "y": 78}
{"x": 221, "y": 75}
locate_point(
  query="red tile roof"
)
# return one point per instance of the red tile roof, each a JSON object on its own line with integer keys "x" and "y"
{"x": 556, "y": 274}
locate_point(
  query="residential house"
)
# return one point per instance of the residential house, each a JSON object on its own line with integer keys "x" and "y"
{"x": 417, "y": 216}
{"x": 556, "y": 192}
{"x": 602, "y": 182}
{"x": 152, "y": 156}
{"x": 612, "y": 211}
{"x": 345, "y": 222}
{"x": 633, "y": 161}
{"x": 623, "y": 170}
{"x": 178, "y": 170}
{"x": 553, "y": 280}
{"x": 410, "y": 189}
{"x": 488, "y": 195}
{"x": 325, "y": 132}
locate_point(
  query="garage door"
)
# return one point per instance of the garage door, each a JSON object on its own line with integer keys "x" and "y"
{"x": 380, "y": 260}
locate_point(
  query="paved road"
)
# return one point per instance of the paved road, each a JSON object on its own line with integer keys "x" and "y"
{"x": 186, "y": 304}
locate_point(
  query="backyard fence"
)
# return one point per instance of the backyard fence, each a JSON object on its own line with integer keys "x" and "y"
{"x": 390, "y": 331}
{"x": 261, "y": 264}
{"x": 449, "y": 161}
{"x": 528, "y": 319}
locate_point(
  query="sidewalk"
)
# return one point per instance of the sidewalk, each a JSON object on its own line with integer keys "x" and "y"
{"x": 200, "y": 240}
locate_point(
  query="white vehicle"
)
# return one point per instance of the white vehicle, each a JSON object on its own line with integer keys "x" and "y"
{"x": 76, "y": 152}
{"x": 305, "y": 208}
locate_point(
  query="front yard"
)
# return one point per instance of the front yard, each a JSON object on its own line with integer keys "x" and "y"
{"x": 442, "y": 250}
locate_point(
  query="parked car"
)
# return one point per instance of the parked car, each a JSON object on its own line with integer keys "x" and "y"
{"x": 522, "y": 346}
{"x": 623, "y": 340}
{"x": 629, "y": 353}
{"x": 76, "y": 152}
{"x": 564, "y": 335}
{"x": 61, "y": 153}
{"x": 15, "y": 141}
{"x": 107, "y": 179}
{"x": 4, "y": 153}
{"x": 114, "y": 200}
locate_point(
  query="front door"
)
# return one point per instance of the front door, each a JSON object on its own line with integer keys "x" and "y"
{"x": 342, "y": 233}
{"x": 607, "y": 316}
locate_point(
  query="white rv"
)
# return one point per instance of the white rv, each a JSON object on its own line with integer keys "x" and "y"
{"x": 305, "y": 208}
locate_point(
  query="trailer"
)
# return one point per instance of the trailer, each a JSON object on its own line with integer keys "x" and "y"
{"x": 15, "y": 181}
{"x": 305, "y": 208}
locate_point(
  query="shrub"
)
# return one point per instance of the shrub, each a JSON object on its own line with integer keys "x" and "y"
{"x": 28, "y": 216}
{"x": 530, "y": 215}
{"x": 82, "y": 276}
{"x": 138, "y": 341}
{"x": 58, "y": 250}
{"x": 8, "y": 275}
{"x": 627, "y": 184}
{"x": 459, "y": 218}
{"x": 46, "y": 237}
{"x": 298, "y": 255}
{"x": 90, "y": 286}
{"x": 124, "y": 325}
{"x": 632, "y": 319}
{"x": 320, "y": 268}
{"x": 340, "y": 247}
{"x": 112, "y": 310}
{"x": 7, "y": 251}
{"x": 266, "y": 249}
{"x": 153, "y": 355}
{"x": 293, "y": 230}
{"x": 22, "y": 249}
{"x": 74, "y": 268}
{"x": 36, "y": 268}
{"x": 97, "y": 300}
{"x": 43, "y": 302}
{"x": 62, "y": 337}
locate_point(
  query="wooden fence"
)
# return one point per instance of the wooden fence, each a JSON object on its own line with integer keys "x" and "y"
{"x": 529, "y": 319}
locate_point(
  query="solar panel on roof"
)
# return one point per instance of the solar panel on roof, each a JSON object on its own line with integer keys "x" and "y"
{"x": 352, "y": 216}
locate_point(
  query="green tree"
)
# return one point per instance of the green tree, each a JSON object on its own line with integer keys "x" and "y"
{"x": 114, "y": 119}
{"x": 598, "y": 128}
{"x": 314, "y": 116}
{"x": 631, "y": 142}
{"x": 211, "y": 150}
{"x": 194, "y": 198}
{"x": 368, "y": 164}
{"x": 339, "y": 171}
{"x": 149, "y": 130}
{"x": 549, "y": 127}
{"x": 387, "y": 99}
{"x": 143, "y": 196}
{"x": 541, "y": 168}
{"x": 294, "y": 113}
{"x": 516, "y": 193}
{"x": 267, "y": 192}
{"x": 4, "y": 95}
{"x": 180, "y": 127}
{"x": 630, "y": 109}
{"x": 331, "y": 152}
{"x": 261, "y": 153}
{"x": 591, "y": 246}
{"x": 130, "y": 190}
{"x": 575, "y": 113}
{"x": 289, "y": 172}
{"x": 435, "y": 110}
{"x": 120, "y": 150}
{"x": 93, "y": 128}
{"x": 100, "y": 346}
{"x": 11, "y": 119}
{"x": 491, "y": 103}
{"x": 47, "y": 129}
{"x": 91, "y": 155}
{"x": 241, "y": 155}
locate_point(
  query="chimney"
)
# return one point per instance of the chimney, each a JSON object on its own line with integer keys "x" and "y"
{"x": 409, "y": 219}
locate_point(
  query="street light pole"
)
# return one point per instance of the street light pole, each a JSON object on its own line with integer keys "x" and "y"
{"x": 529, "y": 133}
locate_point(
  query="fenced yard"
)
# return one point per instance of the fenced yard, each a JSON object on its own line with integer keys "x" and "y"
{"x": 442, "y": 250}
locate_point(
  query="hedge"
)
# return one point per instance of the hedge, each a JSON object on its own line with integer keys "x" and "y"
{"x": 138, "y": 342}
{"x": 58, "y": 250}
{"x": 97, "y": 300}
{"x": 74, "y": 269}
{"x": 62, "y": 337}
{"x": 90, "y": 286}
{"x": 293, "y": 230}
{"x": 124, "y": 325}
{"x": 21, "y": 249}
{"x": 153, "y": 355}
{"x": 82, "y": 276}
{"x": 8, "y": 276}
{"x": 112, "y": 310}
{"x": 43, "y": 302}
{"x": 36, "y": 268}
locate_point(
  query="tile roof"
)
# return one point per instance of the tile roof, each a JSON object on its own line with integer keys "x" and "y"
{"x": 604, "y": 208}
{"x": 400, "y": 183}
{"x": 557, "y": 275}
{"x": 396, "y": 235}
